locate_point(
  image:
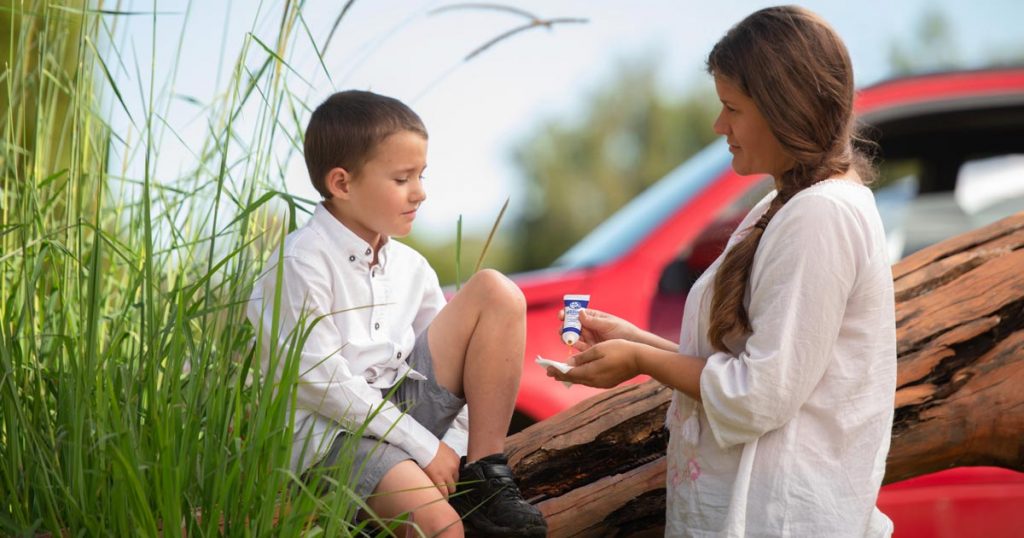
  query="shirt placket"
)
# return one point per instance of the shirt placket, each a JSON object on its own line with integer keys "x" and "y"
{"x": 378, "y": 298}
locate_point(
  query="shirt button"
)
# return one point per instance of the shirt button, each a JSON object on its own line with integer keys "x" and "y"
{"x": 351, "y": 258}
{"x": 376, "y": 326}
{"x": 399, "y": 354}
{"x": 368, "y": 252}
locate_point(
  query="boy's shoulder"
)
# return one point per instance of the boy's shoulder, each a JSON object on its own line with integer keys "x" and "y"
{"x": 304, "y": 240}
{"x": 320, "y": 242}
{"x": 309, "y": 242}
{"x": 404, "y": 254}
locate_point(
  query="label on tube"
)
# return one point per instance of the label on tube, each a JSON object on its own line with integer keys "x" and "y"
{"x": 571, "y": 324}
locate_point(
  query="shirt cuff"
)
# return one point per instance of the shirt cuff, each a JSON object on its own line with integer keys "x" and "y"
{"x": 422, "y": 449}
{"x": 457, "y": 439}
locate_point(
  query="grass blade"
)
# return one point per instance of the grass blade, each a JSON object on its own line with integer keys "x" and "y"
{"x": 110, "y": 78}
{"x": 458, "y": 254}
{"x": 490, "y": 236}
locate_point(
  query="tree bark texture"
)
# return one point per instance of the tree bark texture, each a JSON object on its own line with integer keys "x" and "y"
{"x": 599, "y": 467}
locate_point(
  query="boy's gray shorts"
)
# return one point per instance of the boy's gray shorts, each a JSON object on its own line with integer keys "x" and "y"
{"x": 426, "y": 401}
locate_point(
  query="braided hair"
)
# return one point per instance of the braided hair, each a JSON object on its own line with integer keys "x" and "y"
{"x": 797, "y": 70}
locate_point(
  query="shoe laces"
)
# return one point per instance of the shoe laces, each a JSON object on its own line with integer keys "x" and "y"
{"x": 506, "y": 489}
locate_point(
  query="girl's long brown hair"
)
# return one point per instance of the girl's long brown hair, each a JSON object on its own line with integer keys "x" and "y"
{"x": 797, "y": 71}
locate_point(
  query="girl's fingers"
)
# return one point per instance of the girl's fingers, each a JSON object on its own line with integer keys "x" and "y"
{"x": 555, "y": 373}
{"x": 582, "y": 358}
{"x": 594, "y": 322}
{"x": 591, "y": 314}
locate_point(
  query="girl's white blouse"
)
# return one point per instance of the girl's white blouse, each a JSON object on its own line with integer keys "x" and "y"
{"x": 792, "y": 435}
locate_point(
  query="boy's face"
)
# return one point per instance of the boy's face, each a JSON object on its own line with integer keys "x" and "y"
{"x": 383, "y": 196}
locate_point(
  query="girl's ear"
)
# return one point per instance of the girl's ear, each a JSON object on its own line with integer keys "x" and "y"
{"x": 338, "y": 181}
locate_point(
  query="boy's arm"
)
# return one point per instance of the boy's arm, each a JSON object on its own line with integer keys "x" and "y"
{"x": 325, "y": 383}
{"x": 432, "y": 299}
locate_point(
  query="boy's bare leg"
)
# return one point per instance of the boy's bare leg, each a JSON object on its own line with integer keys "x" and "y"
{"x": 406, "y": 489}
{"x": 478, "y": 341}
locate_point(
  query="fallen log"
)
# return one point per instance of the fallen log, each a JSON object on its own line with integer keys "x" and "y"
{"x": 598, "y": 468}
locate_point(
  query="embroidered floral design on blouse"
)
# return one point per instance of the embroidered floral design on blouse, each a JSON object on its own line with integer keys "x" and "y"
{"x": 694, "y": 468}
{"x": 675, "y": 476}
{"x": 690, "y": 434}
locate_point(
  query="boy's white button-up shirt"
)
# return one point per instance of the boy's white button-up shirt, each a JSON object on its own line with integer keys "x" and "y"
{"x": 794, "y": 428}
{"x": 364, "y": 322}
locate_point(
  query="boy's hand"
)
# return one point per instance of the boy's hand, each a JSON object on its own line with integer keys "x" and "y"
{"x": 598, "y": 326}
{"x": 443, "y": 470}
{"x": 603, "y": 365}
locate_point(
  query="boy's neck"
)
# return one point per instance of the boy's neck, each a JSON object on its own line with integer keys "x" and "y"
{"x": 375, "y": 240}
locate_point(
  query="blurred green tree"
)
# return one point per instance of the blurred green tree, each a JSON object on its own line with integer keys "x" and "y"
{"x": 580, "y": 172}
{"x": 442, "y": 255}
{"x": 931, "y": 47}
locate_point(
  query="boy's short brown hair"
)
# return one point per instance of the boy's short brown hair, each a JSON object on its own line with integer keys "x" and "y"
{"x": 346, "y": 128}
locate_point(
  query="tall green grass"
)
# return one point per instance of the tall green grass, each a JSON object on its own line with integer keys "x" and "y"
{"x": 131, "y": 400}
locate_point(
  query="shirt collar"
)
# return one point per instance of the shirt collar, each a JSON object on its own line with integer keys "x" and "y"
{"x": 350, "y": 246}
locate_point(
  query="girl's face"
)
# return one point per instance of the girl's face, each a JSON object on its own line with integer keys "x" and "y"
{"x": 754, "y": 148}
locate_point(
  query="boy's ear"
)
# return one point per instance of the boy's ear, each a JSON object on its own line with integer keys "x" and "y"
{"x": 338, "y": 181}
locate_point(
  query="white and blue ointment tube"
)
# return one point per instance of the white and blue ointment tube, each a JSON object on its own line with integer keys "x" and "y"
{"x": 571, "y": 323}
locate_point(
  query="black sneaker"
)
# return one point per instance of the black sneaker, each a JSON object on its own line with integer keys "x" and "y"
{"x": 490, "y": 503}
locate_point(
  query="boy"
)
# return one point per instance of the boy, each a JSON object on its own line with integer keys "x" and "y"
{"x": 385, "y": 323}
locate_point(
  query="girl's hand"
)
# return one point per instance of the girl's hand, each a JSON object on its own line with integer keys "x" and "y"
{"x": 597, "y": 326}
{"x": 603, "y": 365}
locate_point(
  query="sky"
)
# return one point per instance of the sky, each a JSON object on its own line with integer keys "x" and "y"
{"x": 477, "y": 111}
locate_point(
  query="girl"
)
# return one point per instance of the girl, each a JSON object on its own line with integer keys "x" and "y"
{"x": 785, "y": 372}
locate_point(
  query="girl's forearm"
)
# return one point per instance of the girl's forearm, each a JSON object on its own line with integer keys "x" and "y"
{"x": 680, "y": 372}
{"x": 648, "y": 338}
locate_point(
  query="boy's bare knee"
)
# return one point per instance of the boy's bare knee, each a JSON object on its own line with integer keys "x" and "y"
{"x": 439, "y": 519}
{"x": 498, "y": 289}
